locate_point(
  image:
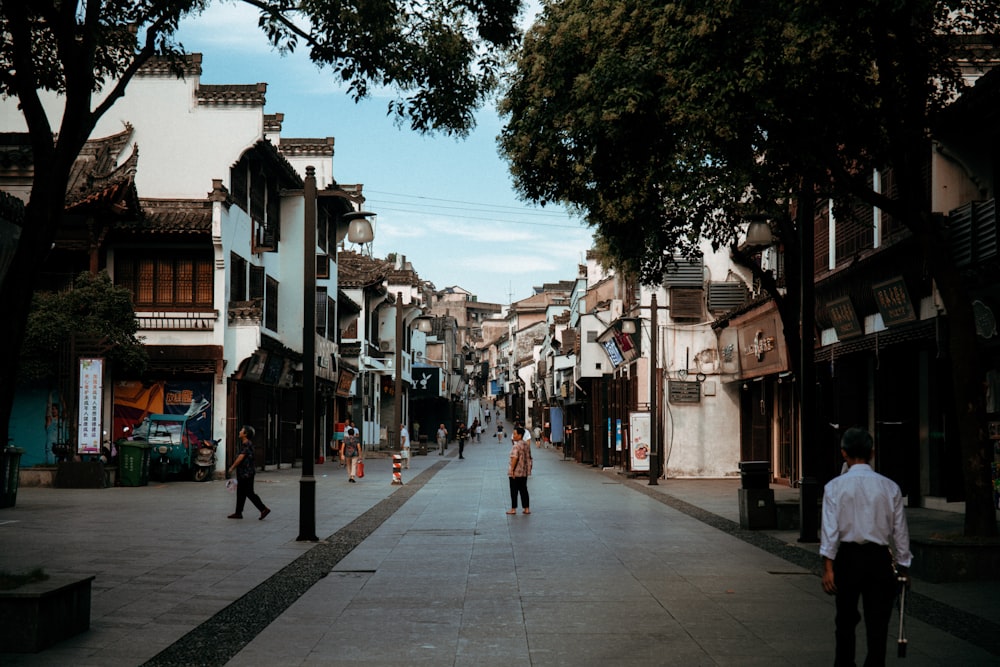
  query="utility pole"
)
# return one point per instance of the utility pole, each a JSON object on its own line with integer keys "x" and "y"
{"x": 656, "y": 456}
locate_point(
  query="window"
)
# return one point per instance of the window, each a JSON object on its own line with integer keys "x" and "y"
{"x": 258, "y": 192}
{"x": 271, "y": 304}
{"x": 321, "y": 311}
{"x": 171, "y": 280}
{"x": 256, "y": 282}
{"x": 237, "y": 278}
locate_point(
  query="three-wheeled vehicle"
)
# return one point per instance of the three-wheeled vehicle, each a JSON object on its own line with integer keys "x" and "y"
{"x": 174, "y": 449}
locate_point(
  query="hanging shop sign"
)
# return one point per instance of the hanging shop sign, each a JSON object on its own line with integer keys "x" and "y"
{"x": 761, "y": 346}
{"x": 894, "y": 302}
{"x": 844, "y": 318}
{"x": 344, "y": 381}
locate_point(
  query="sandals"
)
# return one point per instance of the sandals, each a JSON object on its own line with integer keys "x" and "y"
{"x": 511, "y": 511}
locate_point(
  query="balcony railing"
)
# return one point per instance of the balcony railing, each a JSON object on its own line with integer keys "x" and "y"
{"x": 177, "y": 320}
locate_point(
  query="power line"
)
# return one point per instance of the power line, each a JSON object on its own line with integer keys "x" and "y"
{"x": 467, "y": 203}
{"x": 379, "y": 209}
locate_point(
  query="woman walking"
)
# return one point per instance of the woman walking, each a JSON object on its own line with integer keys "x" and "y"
{"x": 518, "y": 472}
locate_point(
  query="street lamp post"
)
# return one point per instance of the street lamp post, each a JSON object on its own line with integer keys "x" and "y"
{"x": 360, "y": 231}
{"x": 307, "y": 484}
{"x": 656, "y": 457}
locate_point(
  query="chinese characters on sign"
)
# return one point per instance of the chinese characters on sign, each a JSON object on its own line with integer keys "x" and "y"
{"x": 894, "y": 302}
{"x": 843, "y": 317}
{"x": 91, "y": 388}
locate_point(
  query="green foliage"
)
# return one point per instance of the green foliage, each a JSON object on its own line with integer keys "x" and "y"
{"x": 93, "y": 311}
{"x": 666, "y": 123}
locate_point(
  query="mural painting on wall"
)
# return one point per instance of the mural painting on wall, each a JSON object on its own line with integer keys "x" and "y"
{"x": 134, "y": 401}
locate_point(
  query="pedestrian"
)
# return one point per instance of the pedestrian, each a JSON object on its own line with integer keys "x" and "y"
{"x": 537, "y": 432}
{"x": 404, "y": 446}
{"x": 863, "y": 527}
{"x": 518, "y": 471}
{"x": 500, "y": 433}
{"x": 476, "y": 429}
{"x": 350, "y": 450}
{"x": 442, "y": 439}
{"x": 527, "y": 434}
{"x": 488, "y": 416}
{"x": 461, "y": 435}
{"x": 245, "y": 471}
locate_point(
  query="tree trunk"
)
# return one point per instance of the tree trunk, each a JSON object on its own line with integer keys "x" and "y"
{"x": 37, "y": 236}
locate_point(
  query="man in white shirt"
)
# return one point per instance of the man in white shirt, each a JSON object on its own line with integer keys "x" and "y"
{"x": 863, "y": 523}
{"x": 404, "y": 445}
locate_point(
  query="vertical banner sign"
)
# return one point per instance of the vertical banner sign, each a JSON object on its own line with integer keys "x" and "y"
{"x": 609, "y": 432}
{"x": 91, "y": 389}
{"x": 618, "y": 435}
{"x": 638, "y": 434}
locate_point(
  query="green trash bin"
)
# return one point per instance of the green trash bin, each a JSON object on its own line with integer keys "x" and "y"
{"x": 11, "y": 476}
{"x": 133, "y": 463}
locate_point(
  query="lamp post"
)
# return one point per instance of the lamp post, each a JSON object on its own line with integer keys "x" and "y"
{"x": 656, "y": 457}
{"x": 362, "y": 233}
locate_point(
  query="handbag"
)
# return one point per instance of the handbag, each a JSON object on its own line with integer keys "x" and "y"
{"x": 360, "y": 469}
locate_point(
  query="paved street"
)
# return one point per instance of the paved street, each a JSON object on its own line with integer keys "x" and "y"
{"x": 605, "y": 571}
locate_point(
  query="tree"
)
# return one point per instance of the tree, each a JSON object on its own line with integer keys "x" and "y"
{"x": 443, "y": 57}
{"x": 95, "y": 311}
{"x": 669, "y": 122}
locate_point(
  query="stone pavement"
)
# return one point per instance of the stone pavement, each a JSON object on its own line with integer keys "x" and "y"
{"x": 604, "y": 571}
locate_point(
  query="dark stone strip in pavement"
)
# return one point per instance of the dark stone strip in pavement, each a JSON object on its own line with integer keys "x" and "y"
{"x": 225, "y": 634}
{"x": 957, "y": 622}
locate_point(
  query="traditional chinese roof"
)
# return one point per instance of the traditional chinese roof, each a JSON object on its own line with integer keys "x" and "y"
{"x": 232, "y": 94}
{"x": 307, "y": 147}
{"x": 356, "y": 270}
{"x": 188, "y": 64}
{"x": 175, "y": 216}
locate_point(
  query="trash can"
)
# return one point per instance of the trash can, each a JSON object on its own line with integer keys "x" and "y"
{"x": 755, "y": 474}
{"x": 11, "y": 476}
{"x": 133, "y": 463}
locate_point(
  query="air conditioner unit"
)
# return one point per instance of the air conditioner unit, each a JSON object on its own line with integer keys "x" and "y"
{"x": 418, "y": 354}
{"x": 385, "y": 345}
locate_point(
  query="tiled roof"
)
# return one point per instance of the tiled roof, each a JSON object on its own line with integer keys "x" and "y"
{"x": 306, "y": 147}
{"x": 251, "y": 94}
{"x": 174, "y": 216}
{"x": 188, "y": 64}
{"x": 273, "y": 121}
{"x": 356, "y": 270}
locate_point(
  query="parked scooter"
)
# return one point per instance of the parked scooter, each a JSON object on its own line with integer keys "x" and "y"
{"x": 204, "y": 463}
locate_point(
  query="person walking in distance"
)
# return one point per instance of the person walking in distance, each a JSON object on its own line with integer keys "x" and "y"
{"x": 350, "y": 449}
{"x": 442, "y": 439}
{"x": 518, "y": 471}
{"x": 862, "y": 520}
{"x": 404, "y": 445}
{"x": 245, "y": 471}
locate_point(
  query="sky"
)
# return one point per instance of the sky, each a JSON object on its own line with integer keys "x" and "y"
{"x": 447, "y": 204}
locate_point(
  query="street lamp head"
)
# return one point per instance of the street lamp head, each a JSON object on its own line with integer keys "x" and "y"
{"x": 359, "y": 229}
{"x": 629, "y": 325}
{"x": 759, "y": 234}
